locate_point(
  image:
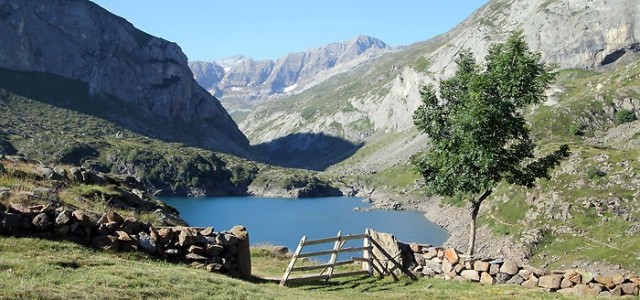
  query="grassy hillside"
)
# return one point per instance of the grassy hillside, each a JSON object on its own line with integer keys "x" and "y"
{"x": 589, "y": 211}
{"x": 73, "y": 135}
{"x": 63, "y": 270}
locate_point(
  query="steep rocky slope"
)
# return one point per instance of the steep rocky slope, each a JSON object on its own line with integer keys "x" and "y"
{"x": 373, "y": 104}
{"x": 240, "y": 81}
{"x": 114, "y": 62}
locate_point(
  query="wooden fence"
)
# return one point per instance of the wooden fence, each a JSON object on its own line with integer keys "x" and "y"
{"x": 328, "y": 269}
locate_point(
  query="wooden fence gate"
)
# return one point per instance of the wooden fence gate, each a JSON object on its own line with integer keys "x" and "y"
{"x": 328, "y": 269}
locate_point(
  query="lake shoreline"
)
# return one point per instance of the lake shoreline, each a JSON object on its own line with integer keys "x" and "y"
{"x": 455, "y": 220}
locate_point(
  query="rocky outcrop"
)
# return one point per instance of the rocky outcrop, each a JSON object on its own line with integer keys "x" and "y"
{"x": 78, "y": 40}
{"x": 223, "y": 252}
{"x": 241, "y": 80}
{"x": 449, "y": 264}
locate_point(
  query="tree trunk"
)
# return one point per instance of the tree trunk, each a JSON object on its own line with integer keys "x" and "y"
{"x": 475, "y": 208}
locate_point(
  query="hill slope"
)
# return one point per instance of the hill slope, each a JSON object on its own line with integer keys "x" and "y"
{"x": 377, "y": 100}
{"x": 114, "y": 62}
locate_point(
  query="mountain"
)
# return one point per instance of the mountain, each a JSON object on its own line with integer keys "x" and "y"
{"x": 239, "y": 81}
{"x": 373, "y": 104}
{"x": 129, "y": 77}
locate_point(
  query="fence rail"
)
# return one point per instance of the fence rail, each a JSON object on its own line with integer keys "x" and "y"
{"x": 329, "y": 267}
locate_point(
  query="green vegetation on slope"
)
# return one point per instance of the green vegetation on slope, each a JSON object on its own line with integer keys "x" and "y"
{"x": 55, "y": 134}
{"x": 63, "y": 270}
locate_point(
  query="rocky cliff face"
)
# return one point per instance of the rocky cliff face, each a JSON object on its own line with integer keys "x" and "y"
{"x": 79, "y": 40}
{"x": 241, "y": 80}
{"x": 375, "y": 100}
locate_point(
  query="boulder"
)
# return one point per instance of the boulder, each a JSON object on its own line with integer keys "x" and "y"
{"x": 196, "y": 249}
{"x": 515, "y": 279}
{"x": 452, "y": 255}
{"x": 550, "y": 281}
{"x": 606, "y": 281}
{"x": 430, "y": 253}
{"x": 531, "y": 283}
{"x": 458, "y": 268}
{"x": 132, "y": 225}
{"x": 509, "y": 267}
{"x": 113, "y": 216}
{"x": 566, "y": 283}
{"x": 105, "y": 242}
{"x": 147, "y": 243}
{"x": 494, "y": 269}
{"x": 209, "y": 231}
{"x": 525, "y": 274}
{"x": 585, "y": 276}
{"x": 481, "y": 266}
{"x": 213, "y": 250}
{"x": 63, "y": 217}
{"x": 616, "y": 291}
{"x": 618, "y": 279}
{"x": 60, "y": 171}
{"x": 280, "y": 251}
{"x": 502, "y": 278}
{"x": 486, "y": 278}
{"x": 76, "y": 174}
{"x": 434, "y": 265}
{"x": 629, "y": 288}
{"x": 165, "y": 235}
{"x": 389, "y": 244}
{"x": 597, "y": 287}
{"x": 447, "y": 267}
{"x": 580, "y": 290}
{"x": 41, "y": 222}
{"x": 471, "y": 275}
{"x": 80, "y": 216}
{"x": 226, "y": 239}
{"x": 123, "y": 236}
{"x": 20, "y": 209}
{"x": 196, "y": 257}
{"x": 415, "y": 247}
{"x": 573, "y": 276}
{"x": 11, "y": 223}
{"x": 187, "y": 237}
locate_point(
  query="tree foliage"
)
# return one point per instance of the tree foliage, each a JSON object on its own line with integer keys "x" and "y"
{"x": 479, "y": 136}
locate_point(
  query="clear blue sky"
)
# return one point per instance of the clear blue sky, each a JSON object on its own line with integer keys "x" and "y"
{"x": 268, "y": 29}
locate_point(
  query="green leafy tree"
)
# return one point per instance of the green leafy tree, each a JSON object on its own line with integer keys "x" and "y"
{"x": 479, "y": 136}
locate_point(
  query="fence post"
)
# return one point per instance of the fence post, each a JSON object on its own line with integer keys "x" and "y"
{"x": 293, "y": 261}
{"x": 334, "y": 255}
{"x": 367, "y": 265}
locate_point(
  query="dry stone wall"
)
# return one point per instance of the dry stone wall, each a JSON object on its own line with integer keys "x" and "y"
{"x": 225, "y": 252}
{"x": 449, "y": 264}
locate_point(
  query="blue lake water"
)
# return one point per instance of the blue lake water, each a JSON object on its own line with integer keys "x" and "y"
{"x": 282, "y": 221}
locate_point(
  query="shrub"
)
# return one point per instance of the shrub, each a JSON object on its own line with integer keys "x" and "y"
{"x": 577, "y": 129}
{"x": 625, "y": 116}
{"x": 594, "y": 173}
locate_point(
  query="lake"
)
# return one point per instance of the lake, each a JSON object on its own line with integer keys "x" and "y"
{"x": 283, "y": 221}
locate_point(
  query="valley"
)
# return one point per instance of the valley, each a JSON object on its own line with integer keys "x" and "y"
{"x": 335, "y": 120}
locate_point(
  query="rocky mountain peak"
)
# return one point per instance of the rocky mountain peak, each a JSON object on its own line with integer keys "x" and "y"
{"x": 246, "y": 81}
{"x": 79, "y": 40}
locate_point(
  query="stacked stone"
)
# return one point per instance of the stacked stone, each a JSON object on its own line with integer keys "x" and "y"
{"x": 224, "y": 252}
{"x": 451, "y": 265}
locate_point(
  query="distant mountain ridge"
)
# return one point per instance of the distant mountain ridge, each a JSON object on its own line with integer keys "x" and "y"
{"x": 373, "y": 103}
{"x": 79, "y": 40}
{"x": 241, "y": 80}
